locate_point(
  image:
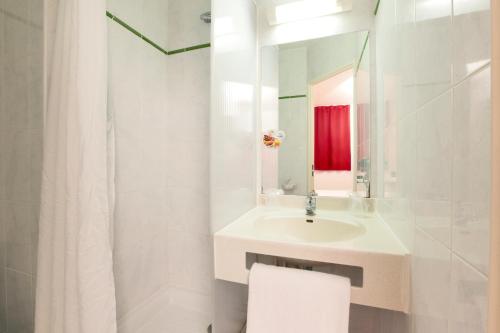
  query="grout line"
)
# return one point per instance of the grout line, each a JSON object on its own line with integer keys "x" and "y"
{"x": 20, "y": 19}
{"x": 150, "y": 42}
{"x": 13, "y": 270}
{"x": 452, "y": 85}
{"x": 293, "y": 96}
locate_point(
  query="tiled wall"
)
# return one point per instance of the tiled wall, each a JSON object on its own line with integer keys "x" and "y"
{"x": 233, "y": 162}
{"x": 160, "y": 106}
{"x": 21, "y": 110}
{"x": 433, "y": 86}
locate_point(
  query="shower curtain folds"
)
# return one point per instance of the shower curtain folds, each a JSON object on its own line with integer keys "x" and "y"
{"x": 75, "y": 283}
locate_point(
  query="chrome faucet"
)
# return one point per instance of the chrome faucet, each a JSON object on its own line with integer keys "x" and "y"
{"x": 311, "y": 203}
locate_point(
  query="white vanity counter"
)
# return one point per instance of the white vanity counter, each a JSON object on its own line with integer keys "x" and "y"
{"x": 338, "y": 237}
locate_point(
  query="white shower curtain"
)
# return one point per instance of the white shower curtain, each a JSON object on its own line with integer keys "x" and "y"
{"x": 75, "y": 284}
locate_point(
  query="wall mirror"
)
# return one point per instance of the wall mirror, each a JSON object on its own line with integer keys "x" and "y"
{"x": 315, "y": 116}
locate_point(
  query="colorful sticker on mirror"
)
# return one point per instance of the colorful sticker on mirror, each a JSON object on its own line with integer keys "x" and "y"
{"x": 273, "y": 139}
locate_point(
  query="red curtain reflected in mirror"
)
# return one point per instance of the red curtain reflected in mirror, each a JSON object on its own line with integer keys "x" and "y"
{"x": 332, "y": 138}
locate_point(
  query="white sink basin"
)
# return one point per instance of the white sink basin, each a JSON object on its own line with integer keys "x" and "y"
{"x": 334, "y": 236}
{"x": 306, "y": 229}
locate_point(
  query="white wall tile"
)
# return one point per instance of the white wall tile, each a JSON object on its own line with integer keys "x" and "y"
{"x": 3, "y": 314}
{"x": 21, "y": 86}
{"x": 471, "y": 168}
{"x": 431, "y": 276}
{"x": 190, "y": 265}
{"x": 185, "y": 27}
{"x": 469, "y": 299}
{"x": 433, "y": 168}
{"x": 20, "y": 227}
{"x": 20, "y": 302}
{"x": 433, "y": 32}
{"x": 471, "y": 36}
{"x": 419, "y": 46}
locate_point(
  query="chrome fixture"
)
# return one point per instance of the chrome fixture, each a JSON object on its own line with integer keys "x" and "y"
{"x": 206, "y": 17}
{"x": 364, "y": 179}
{"x": 311, "y": 204}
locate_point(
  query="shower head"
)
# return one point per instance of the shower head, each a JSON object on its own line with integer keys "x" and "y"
{"x": 206, "y": 17}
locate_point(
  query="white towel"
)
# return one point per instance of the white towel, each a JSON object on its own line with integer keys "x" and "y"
{"x": 287, "y": 300}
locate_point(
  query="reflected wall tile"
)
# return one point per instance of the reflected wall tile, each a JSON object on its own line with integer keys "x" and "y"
{"x": 293, "y": 71}
{"x": 472, "y": 180}
{"x": 469, "y": 298}
{"x": 471, "y": 36}
{"x": 433, "y": 54}
{"x": 431, "y": 269}
{"x": 20, "y": 302}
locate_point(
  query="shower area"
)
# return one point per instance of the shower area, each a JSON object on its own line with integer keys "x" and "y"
{"x": 158, "y": 83}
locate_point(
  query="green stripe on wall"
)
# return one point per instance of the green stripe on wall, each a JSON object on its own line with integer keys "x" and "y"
{"x": 187, "y": 49}
{"x": 376, "y": 8}
{"x": 362, "y": 51}
{"x": 294, "y": 96}
{"x": 150, "y": 42}
{"x": 135, "y": 32}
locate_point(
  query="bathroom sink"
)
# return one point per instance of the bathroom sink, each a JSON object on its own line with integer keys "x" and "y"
{"x": 334, "y": 236}
{"x": 306, "y": 228}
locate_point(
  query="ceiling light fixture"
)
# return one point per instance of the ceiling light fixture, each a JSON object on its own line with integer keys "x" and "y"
{"x": 302, "y": 10}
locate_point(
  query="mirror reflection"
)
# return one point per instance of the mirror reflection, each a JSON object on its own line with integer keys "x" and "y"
{"x": 315, "y": 115}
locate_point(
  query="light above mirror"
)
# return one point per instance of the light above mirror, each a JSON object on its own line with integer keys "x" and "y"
{"x": 303, "y": 10}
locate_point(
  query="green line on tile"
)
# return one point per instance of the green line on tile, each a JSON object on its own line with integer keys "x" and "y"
{"x": 150, "y": 42}
{"x": 376, "y": 8}
{"x": 187, "y": 49}
{"x": 135, "y": 32}
{"x": 294, "y": 96}
{"x": 362, "y": 51}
